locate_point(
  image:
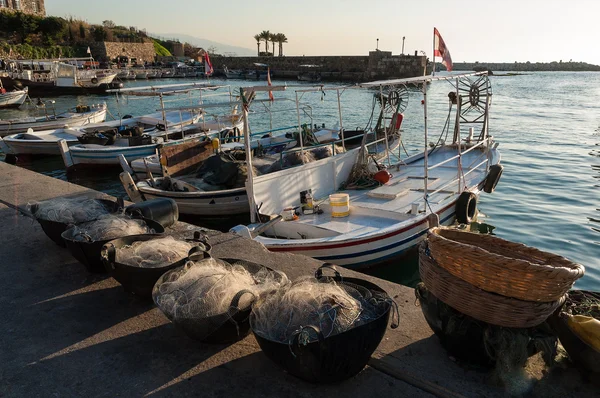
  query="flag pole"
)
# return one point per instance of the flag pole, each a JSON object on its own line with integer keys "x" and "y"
{"x": 433, "y": 54}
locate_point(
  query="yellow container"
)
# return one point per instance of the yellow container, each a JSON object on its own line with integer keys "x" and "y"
{"x": 215, "y": 143}
{"x": 340, "y": 204}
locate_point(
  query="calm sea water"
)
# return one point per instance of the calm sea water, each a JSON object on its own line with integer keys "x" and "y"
{"x": 548, "y": 126}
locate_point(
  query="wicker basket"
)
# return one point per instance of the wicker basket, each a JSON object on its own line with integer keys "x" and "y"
{"x": 499, "y": 266}
{"x": 479, "y": 304}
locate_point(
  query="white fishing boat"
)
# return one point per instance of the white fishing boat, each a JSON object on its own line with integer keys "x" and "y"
{"x": 12, "y": 99}
{"x": 46, "y": 142}
{"x": 79, "y": 116}
{"x": 358, "y": 227}
{"x": 233, "y": 73}
{"x": 64, "y": 76}
{"x": 133, "y": 141}
{"x": 138, "y": 143}
{"x": 40, "y": 142}
{"x": 309, "y": 73}
{"x": 205, "y": 194}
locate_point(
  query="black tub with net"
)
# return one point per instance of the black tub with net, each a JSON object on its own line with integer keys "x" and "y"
{"x": 222, "y": 328}
{"x": 54, "y": 229}
{"x": 336, "y": 357}
{"x": 141, "y": 280}
{"x": 88, "y": 251}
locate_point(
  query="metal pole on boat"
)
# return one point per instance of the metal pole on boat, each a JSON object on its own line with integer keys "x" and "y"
{"x": 162, "y": 107}
{"x": 457, "y": 135}
{"x": 341, "y": 123}
{"x": 486, "y": 123}
{"x": 299, "y": 128}
{"x": 425, "y": 153}
{"x": 250, "y": 181}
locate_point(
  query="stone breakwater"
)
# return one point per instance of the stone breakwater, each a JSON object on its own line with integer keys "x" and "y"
{"x": 377, "y": 65}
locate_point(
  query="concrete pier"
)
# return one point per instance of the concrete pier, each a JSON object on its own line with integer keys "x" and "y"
{"x": 66, "y": 332}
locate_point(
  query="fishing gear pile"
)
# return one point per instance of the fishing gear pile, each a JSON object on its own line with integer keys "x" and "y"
{"x": 154, "y": 253}
{"x": 110, "y": 227}
{"x": 203, "y": 292}
{"x": 68, "y": 210}
{"x": 330, "y": 307}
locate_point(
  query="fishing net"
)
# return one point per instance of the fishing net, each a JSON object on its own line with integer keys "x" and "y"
{"x": 109, "y": 227}
{"x": 330, "y": 307}
{"x": 200, "y": 295}
{"x": 507, "y": 349}
{"x": 154, "y": 253}
{"x": 68, "y": 210}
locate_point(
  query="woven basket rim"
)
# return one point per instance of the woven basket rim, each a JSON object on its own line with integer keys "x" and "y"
{"x": 554, "y": 263}
{"x": 531, "y": 316}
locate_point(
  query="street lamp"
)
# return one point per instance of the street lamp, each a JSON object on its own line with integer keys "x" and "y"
{"x": 403, "y": 37}
{"x": 377, "y": 44}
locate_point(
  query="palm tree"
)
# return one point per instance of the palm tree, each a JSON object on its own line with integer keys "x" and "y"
{"x": 273, "y": 38}
{"x": 257, "y": 38}
{"x": 265, "y": 35}
{"x": 281, "y": 39}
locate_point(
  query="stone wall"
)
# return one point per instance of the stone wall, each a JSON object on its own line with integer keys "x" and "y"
{"x": 106, "y": 51}
{"x": 378, "y": 65}
{"x": 35, "y": 7}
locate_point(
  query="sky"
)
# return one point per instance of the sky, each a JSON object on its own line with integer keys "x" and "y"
{"x": 484, "y": 31}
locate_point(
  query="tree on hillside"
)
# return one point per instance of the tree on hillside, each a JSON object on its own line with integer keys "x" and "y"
{"x": 257, "y": 38}
{"x": 108, "y": 24}
{"x": 99, "y": 33}
{"x": 81, "y": 31}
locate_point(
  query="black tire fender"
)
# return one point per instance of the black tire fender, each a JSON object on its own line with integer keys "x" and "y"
{"x": 492, "y": 178}
{"x": 466, "y": 207}
{"x": 94, "y": 80}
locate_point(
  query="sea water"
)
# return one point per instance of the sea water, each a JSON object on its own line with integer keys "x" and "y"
{"x": 547, "y": 124}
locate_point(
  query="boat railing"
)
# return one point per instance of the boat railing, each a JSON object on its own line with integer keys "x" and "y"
{"x": 481, "y": 143}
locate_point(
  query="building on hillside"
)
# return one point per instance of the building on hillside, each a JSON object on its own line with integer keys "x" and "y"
{"x": 35, "y": 7}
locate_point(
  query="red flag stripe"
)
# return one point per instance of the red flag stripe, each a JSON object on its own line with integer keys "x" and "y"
{"x": 440, "y": 50}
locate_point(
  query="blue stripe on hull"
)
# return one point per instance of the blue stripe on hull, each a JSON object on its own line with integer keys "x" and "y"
{"x": 380, "y": 249}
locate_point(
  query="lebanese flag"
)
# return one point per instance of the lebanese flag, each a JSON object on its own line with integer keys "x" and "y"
{"x": 440, "y": 50}
{"x": 269, "y": 83}
{"x": 208, "y": 68}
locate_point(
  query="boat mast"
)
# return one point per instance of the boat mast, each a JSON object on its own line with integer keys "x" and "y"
{"x": 425, "y": 152}
{"x": 250, "y": 181}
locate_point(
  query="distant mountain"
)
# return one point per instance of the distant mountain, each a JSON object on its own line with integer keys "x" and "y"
{"x": 223, "y": 49}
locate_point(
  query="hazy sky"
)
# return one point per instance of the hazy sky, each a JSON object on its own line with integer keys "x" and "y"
{"x": 491, "y": 30}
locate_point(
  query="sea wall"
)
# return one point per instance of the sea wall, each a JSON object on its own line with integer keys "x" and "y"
{"x": 377, "y": 65}
{"x": 106, "y": 51}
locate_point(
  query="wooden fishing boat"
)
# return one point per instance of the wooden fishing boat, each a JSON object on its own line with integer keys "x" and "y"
{"x": 358, "y": 227}
{"x": 79, "y": 116}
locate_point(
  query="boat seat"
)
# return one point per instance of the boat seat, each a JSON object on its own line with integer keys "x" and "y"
{"x": 389, "y": 192}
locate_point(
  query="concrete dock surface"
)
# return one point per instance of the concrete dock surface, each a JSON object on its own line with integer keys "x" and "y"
{"x": 66, "y": 332}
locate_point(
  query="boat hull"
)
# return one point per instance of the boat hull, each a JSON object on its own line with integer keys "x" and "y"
{"x": 108, "y": 155}
{"x": 13, "y": 99}
{"x": 363, "y": 253}
{"x": 229, "y": 203}
{"x": 8, "y": 127}
{"x": 32, "y": 147}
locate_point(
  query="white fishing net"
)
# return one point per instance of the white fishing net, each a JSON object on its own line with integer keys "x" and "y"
{"x": 109, "y": 227}
{"x": 202, "y": 292}
{"x": 153, "y": 253}
{"x": 329, "y": 307}
{"x": 68, "y": 210}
